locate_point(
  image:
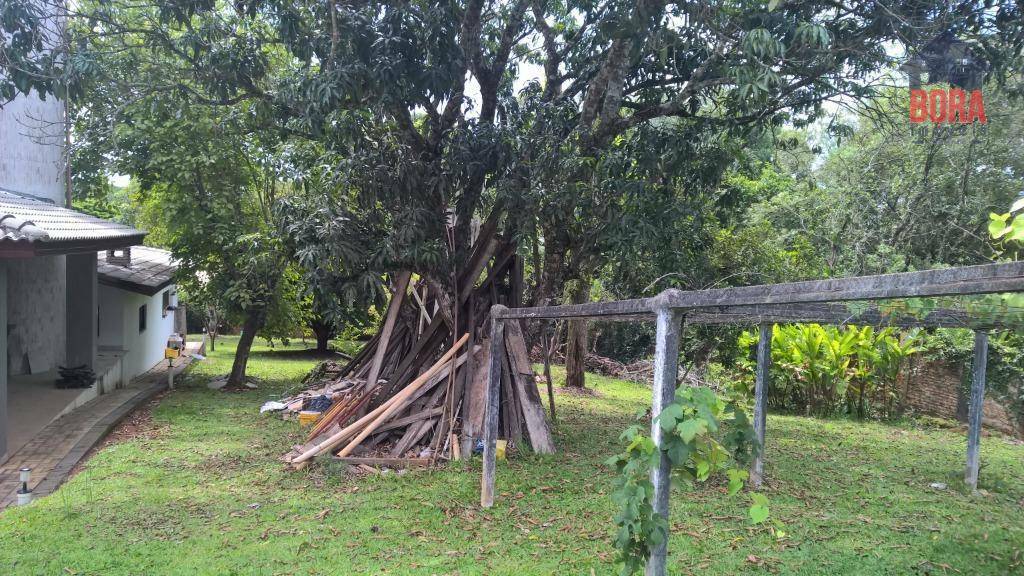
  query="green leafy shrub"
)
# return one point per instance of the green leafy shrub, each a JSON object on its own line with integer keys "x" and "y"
{"x": 827, "y": 370}
{"x": 1008, "y": 229}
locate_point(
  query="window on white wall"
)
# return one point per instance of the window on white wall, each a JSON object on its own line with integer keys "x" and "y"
{"x": 142, "y": 319}
{"x": 166, "y": 302}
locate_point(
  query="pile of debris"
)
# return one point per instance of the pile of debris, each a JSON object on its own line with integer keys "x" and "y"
{"x": 638, "y": 371}
{"x": 76, "y": 377}
{"x": 416, "y": 390}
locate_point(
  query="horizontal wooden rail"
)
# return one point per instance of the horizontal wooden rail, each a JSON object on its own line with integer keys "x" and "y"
{"x": 964, "y": 281}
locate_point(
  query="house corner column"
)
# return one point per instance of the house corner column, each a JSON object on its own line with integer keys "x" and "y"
{"x": 82, "y": 308}
{"x": 3, "y": 362}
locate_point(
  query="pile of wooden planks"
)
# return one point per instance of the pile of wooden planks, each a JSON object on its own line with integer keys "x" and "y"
{"x": 417, "y": 388}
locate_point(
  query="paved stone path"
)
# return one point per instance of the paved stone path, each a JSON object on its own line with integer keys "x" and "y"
{"x": 55, "y": 451}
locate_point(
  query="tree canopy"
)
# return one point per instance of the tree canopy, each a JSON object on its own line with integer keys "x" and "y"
{"x": 380, "y": 130}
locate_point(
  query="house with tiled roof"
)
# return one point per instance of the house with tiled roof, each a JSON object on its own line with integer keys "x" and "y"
{"x": 76, "y": 291}
{"x": 138, "y": 306}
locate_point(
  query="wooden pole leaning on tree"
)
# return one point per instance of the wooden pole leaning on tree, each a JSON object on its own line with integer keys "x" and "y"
{"x": 397, "y": 297}
{"x": 666, "y": 369}
{"x": 523, "y": 380}
{"x": 975, "y": 409}
{"x": 761, "y": 383}
{"x": 492, "y": 396}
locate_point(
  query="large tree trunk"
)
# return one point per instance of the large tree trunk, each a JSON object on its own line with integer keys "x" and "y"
{"x": 323, "y": 332}
{"x": 549, "y": 282}
{"x": 576, "y": 343}
{"x": 212, "y": 326}
{"x": 253, "y": 323}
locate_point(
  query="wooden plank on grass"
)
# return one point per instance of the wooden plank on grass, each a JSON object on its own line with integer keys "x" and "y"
{"x": 492, "y": 397}
{"x": 385, "y": 462}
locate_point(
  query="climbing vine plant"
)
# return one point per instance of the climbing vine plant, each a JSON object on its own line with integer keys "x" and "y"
{"x": 702, "y": 435}
{"x": 1007, "y": 230}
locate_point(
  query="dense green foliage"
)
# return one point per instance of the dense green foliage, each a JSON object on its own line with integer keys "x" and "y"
{"x": 886, "y": 201}
{"x": 829, "y": 370}
{"x": 292, "y": 154}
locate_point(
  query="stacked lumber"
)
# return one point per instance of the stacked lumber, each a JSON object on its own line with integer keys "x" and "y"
{"x": 417, "y": 389}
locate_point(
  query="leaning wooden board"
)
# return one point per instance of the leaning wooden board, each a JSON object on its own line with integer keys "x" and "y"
{"x": 473, "y": 427}
{"x": 526, "y": 390}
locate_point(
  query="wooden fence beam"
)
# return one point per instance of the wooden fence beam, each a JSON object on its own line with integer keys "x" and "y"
{"x": 825, "y": 313}
{"x": 492, "y": 397}
{"x": 975, "y": 409}
{"x": 666, "y": 369}
{"x": 967, "y": 280}
{"x": 984, "y": 279}
{"x": 761, "y": 383}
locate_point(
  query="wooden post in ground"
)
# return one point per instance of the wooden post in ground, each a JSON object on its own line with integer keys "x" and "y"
{"x": 975, "y": 409}
{"x": 492, "y": 397}
{"x": 761, "y": 383}
{"x": 666, "y": 368}
{"x": 549, "y": 342}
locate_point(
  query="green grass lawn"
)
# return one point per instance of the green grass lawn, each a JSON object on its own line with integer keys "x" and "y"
{"x": 204, "y": 493}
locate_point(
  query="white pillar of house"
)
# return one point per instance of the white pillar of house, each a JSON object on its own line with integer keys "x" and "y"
{"x": 82, "y": 307}
{"x": 3, "y": 362}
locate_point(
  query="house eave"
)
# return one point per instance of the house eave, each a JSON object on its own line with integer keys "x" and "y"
{"x": 143, "y": 289}
{"x": 31, "y": 249}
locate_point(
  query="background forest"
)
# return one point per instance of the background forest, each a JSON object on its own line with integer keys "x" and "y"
{"x": 785, "y": 204}
{"x": 295, "y": 156}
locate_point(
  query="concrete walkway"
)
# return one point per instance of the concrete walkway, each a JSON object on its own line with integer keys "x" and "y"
{"x": 58, "y": 447}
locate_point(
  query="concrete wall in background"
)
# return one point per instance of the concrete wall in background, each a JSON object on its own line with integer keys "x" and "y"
{"x": 32, "y": 146}
{"x": 36, "y": 303}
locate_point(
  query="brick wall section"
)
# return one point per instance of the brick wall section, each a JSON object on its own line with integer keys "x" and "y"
{"x": 933, "y": 388}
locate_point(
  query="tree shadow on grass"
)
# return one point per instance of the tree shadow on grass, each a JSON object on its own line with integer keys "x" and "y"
{"x": 296, "y": 353}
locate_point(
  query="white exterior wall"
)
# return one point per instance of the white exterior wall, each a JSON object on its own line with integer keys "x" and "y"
{"x": 36, "y": 305}
{"x": 31, "y": 162}
{"x": 111, "y": 318}
{"x": 32, "y": 147}
{"x": 142, "y": 351}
